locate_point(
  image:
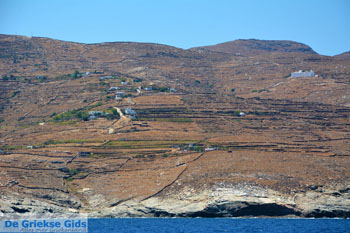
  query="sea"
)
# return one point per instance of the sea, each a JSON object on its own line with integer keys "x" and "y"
{"x": 212, "y": 225}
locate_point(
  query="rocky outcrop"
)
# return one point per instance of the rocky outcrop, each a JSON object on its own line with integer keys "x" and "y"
{"x": 16, "y": 203}
{"x": 237, "y": 201}
{"x": 241, "y": 200}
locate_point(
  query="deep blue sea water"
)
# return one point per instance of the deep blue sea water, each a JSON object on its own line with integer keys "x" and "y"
{"x": 211, "y": 225}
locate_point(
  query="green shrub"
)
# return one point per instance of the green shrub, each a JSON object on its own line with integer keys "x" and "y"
{"x": 198, "y": 148}
{"x": 64, "y": 116}
{"x": 97, "y": 105}
{"x": 73, "y": 172}
{"x": 236, "y": 113}
{"x": 77, "y": 74}
{"x": 83, "y": 115}
{"x": 163, "y": 89}
{"x": 115, "y": 112}
{"x": 73, "y": 114}
{"x": 49, "y": 142}
{"x": 8, "y": 147}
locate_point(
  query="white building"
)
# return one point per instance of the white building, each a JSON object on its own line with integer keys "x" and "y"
{"x": 95, "y": 113}
{"x": 113, "y": 88}
{"x": 106, "y": 77}
{"x": 129, "y": 111}
{"x": 209, "y": 149}
{"x": 301, "y": 73}
{"x": 85, "y": 74}
{"x": 119, "y": 95}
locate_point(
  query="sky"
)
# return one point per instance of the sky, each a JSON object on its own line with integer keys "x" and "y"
{"x": 322, "y": 24}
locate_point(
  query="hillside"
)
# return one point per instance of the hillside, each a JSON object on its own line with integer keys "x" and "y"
{"x": 209, "y": 133}
{"x": 343, "y": 56}
{"x": 254, "y": 47}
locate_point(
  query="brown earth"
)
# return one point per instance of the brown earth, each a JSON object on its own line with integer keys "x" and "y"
{"x": 292, "y": 144}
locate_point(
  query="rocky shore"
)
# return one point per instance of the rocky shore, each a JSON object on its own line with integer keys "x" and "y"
{"x": 235, "y": 201}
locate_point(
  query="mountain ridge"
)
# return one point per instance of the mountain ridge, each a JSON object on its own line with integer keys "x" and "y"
{"x": 247, "y": 43}
{"x": 255, "y": 47}
{"x": 223, "y": 47}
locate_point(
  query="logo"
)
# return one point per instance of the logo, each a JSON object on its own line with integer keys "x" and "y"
{"x": 43, "y": 223}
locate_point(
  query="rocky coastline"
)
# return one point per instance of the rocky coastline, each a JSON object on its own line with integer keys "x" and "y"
{"x": 236, "y": 201}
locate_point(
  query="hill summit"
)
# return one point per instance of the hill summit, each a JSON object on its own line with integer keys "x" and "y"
{"x": 255, "y": 47}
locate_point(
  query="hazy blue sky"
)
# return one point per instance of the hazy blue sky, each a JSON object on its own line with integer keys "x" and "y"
{"x": 322, "y": 24}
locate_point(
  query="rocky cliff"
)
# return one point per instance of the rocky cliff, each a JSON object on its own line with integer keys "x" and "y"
{"x": 241, "y": 200}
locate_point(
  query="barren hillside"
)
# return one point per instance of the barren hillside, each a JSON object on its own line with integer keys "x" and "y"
{"x": 135, "y": 129}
